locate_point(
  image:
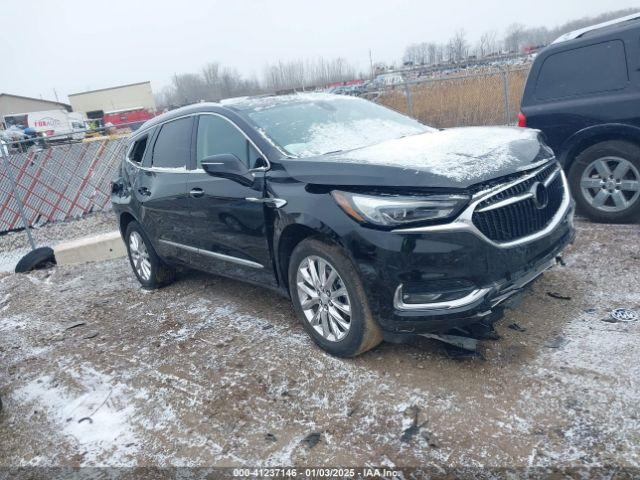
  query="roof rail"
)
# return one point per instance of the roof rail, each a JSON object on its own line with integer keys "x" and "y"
{"x": 578, "y": 33}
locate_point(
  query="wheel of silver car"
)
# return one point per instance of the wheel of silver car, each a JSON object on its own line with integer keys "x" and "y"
{"x": 324, "y": 298}
{"x": 139, "y": 256}
{"x": 610, "y": 184}
{"x": 605, "y": 181}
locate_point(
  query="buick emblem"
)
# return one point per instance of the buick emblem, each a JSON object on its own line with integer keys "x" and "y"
{"x": 540, "y": 195}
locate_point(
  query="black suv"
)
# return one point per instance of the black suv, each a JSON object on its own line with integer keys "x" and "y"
{"x": 583, "y": 92}
{"x": 375, "y": 225}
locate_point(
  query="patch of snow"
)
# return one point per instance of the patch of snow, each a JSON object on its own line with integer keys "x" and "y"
{"x": 265, "y": 101}
{"x": 9, "y": 260}
{"x": 587, "y": 376}
{"x": 457, "y": 153}
{"x": 98, "y": 398}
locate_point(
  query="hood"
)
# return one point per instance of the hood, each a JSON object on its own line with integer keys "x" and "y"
{"x": 454, "y": 158}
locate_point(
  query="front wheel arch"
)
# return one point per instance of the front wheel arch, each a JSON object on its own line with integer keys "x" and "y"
{"x": 291, "y": 235}
{"x": 587, "y": 138}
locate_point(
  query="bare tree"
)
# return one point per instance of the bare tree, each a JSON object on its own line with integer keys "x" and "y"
{"x": 514, "y": 37}
{"x": 188, "y": 88}
{"x": 458, "y": 48}
{"x": 298, "y": 74}
{"x": 488, "y": 44}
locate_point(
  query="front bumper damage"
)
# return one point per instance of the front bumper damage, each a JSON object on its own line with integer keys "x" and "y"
{"x": 492, "y": 274}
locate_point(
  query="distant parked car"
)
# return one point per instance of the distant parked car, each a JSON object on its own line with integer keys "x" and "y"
{"x": 375, "y": 225}
{"x": 583, "y": 92}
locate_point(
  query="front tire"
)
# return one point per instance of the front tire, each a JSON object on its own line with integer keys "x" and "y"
{"x": 148, "y": 268}
{"x": 329, "y": 299}
{"x": 605, "y": 182}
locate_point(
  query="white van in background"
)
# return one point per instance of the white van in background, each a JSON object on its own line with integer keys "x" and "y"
{"x": 57, "y": 123}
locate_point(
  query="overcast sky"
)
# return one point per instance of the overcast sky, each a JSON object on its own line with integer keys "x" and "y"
{"x": 73, "y": 46}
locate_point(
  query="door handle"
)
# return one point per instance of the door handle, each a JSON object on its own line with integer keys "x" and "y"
{"x": 196, "y": 192}
{"x": 144, "y": 191}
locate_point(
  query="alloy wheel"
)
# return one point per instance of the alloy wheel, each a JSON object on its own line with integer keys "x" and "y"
{"x": 324, "y": 298}
{"x": 610, "y": 184}
{"x": 139, "y": 256}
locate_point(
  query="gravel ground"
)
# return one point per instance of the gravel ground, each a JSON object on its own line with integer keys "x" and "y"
{"x": 213, "y": 372}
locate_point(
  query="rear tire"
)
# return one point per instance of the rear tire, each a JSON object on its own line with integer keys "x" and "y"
{"x": 363, "y": 332}
{"x": 147, "y": 266}
{"x": 605, "y": 182}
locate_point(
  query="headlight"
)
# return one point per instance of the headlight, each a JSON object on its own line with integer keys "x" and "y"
{"x": 392, "y": 210}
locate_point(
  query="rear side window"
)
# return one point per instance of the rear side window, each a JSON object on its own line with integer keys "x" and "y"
{"x": 217, "y": 135}
{"x": 173, "y": 145}
{"x": 137, "y": 151}
{"x": 592, "y": 69}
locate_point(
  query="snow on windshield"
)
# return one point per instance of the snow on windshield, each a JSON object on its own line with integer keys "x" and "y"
{"x": 312, "y": 124}
{"x": 454, "y": 153}
{"x": 336, "y": 136}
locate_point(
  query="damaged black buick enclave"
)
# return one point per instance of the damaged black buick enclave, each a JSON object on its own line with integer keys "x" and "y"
{"x": 376, "y": 226}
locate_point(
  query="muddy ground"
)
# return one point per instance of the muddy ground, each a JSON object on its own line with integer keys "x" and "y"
{"x": 212, "y": 372}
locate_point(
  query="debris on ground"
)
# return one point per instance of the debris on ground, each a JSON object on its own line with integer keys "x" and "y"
{"x": 75, "y": 325}
{"x": 624, "y": 315}
{"x": 414, "y": 428}
{"x": 430, "y": 438}
{"x": 464, "y": 343}
{"x": 558, "y": 296}
{"x": 556, "y": 342}
{"x": 516, "y": 327}
{"x": 311, "y": 440}
{"x": 481, "y": 331}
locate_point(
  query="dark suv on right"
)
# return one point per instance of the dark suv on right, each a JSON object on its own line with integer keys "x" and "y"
{"x": 583, "y": 93}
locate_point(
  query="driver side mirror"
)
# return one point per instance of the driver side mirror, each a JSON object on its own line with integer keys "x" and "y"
{"x": 227, "y": 165}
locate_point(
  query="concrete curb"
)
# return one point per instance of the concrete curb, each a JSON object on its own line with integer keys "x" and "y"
{"x": 90, "y": 249}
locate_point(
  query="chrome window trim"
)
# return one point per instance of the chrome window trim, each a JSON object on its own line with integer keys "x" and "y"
{"x": 469, "y": 299}
{"x": 266, "y": 159}
{"x": 464, "y": 222}
{"x": 130, "y": 149}
{"x": 158, "y": 169}
{"x": 209, "y": 253}
{"x": 195, "y": 170}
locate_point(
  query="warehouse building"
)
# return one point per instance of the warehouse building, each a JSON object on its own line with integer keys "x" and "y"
{"x": 124, "y": 104}
{"x": 12, "y": 108}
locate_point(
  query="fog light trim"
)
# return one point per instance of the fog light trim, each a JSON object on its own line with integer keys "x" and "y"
{"x": 472, "y": 297}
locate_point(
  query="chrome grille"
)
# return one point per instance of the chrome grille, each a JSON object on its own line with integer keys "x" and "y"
{"x": 518, "y": 212}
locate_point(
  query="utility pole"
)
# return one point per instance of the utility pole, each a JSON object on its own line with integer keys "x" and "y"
{"x": 55, "y": 94}
{"x": 371, "y": 63}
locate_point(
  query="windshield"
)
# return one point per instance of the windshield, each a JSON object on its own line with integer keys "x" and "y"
{"x": 330, "y": 124}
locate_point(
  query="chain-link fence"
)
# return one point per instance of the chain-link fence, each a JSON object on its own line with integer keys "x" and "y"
{"x": 483, "y": 98}
{"x": 56, "y": 183}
